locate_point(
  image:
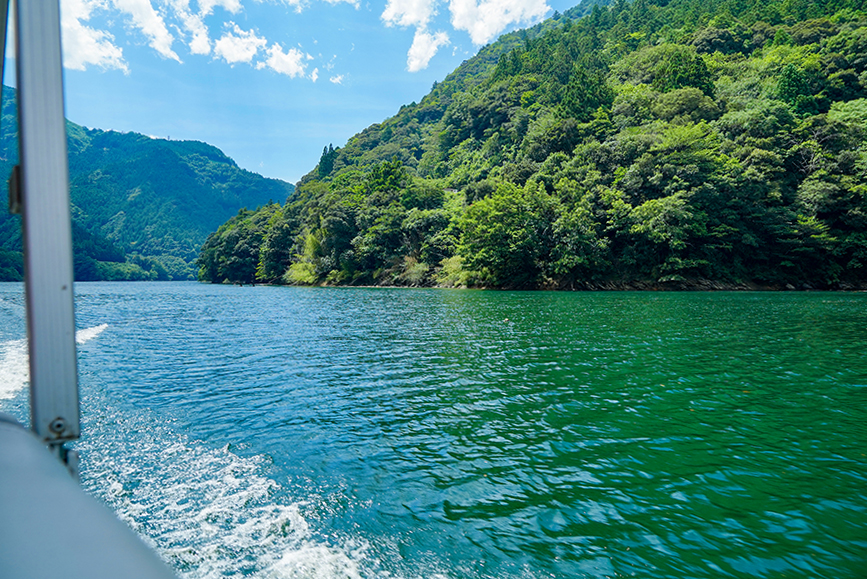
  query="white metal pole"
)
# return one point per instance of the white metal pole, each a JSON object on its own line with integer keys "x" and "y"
{"x": 44, "y": 181}
{"x": 4, "y": 14}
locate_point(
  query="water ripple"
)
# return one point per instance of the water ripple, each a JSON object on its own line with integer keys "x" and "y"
{"x": 387, "y": 433}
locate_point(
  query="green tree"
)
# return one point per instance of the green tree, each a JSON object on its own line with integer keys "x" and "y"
{"x": 585, "y": 92}
{"x": 793, "y": 87}
{"x": 231, "y": 254}
{"x": 326, "y": 161}
{"x": 508, "y": 235}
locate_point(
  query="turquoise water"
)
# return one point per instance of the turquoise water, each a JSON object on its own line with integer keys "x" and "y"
{"x": 324, "y": 433}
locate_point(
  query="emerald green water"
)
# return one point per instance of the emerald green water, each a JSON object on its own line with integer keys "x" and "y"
{"x": 285, "y": 432}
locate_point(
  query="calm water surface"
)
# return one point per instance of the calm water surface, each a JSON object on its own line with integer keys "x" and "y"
{"x": 329, "y": 433}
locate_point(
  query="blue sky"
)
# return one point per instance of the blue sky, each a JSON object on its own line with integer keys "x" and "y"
{"x": 270, "y": 82}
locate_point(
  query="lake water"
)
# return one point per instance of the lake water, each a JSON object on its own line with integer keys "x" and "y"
{"x": 329, "y": 433}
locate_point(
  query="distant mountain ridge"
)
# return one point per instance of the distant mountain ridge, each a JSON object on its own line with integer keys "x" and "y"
{"x": 141, "y": 207}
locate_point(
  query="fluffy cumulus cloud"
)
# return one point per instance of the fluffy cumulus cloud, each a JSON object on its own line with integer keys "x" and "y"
{"x": 485, "y": 20}
{"x": 194, "y": 24}
{"x": 408, "y": 13}
{"x": 237, "y": 45}
{"x": 83, "y": 45}
{"x": 141, "y": 15}
{"x": 424, "y": 47}
{"x": 165, "y": 24}
{"x": 416, "y": 13}
{"x": 291, "y": 63}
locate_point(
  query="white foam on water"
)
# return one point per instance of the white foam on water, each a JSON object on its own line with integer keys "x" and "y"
{"x": 316, "y": 562}
{"x": 14, "y": 368}
{"x": 15, "y": 363}
{"x": 209, "y": 513}
{"x": 86, "y": 334}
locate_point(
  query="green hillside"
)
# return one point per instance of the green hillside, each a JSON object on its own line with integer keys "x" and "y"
{"x": 679, "y": 143}
{"x": 141, "y": 207}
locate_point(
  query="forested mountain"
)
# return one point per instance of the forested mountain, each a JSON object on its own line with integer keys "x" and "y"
{"x": 141, "y": 207}
{"x": 627, "y": 144}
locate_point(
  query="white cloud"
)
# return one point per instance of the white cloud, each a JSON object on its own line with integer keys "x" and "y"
{"x": 408, "y": 13}
{"x": 151, "y": 24}
{"x": 424, "y": 47}
{"x": 83, "y": 45}
{"x": 207, "y": 6}
{"x": 200, "y": 43}
{"x": 86, "y": 46}
{"x": 353, "y": 2}
{"x": 299, "y": 5}
{"x": 488, "y": 18}
{"x": 291, "y": 63}
{"x": 416, "y": 13}
{"x": 237, "y": 45}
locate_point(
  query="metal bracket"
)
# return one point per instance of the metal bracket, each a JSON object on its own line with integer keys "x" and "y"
{"x": 68, "y": 457}
{"x": 15, "y": 190}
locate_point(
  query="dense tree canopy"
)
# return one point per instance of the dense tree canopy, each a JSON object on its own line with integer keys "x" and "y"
{"x": 657, "y": 141}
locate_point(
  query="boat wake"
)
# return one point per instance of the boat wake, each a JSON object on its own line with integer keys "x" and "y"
{"x": 14, "y": 362}
{"x": 209, "y": 512}
{"x": 86, "y": 334}
{"x": 14, "y": 373}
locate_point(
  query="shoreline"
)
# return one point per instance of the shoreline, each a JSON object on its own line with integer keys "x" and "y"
{"x": 694, "y": 285}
